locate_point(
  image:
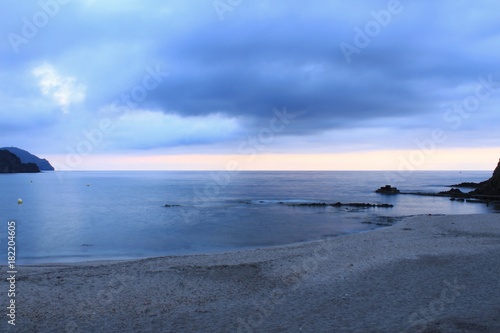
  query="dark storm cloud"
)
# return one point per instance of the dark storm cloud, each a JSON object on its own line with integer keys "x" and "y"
{"x": 245, "y": 68}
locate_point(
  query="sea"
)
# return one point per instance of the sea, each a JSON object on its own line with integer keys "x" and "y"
{"x": 79, "y": 216}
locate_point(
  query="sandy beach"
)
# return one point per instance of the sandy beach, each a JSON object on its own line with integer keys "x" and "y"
{"x": 423, "y": 274}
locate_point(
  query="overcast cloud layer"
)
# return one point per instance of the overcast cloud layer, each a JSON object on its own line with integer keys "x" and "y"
{"x": 203, "y": 76}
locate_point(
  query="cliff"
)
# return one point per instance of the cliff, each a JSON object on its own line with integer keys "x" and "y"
{"x": 10, "y": 163}
{"x": 491, "y": 186}
{"x": 27, "y": 157}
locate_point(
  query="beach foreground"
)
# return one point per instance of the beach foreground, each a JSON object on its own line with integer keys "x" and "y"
{"x": 424, "y": 274}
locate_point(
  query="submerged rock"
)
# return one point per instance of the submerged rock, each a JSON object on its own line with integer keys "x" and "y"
{"x": 477, "y": 201}
{"x": 362, "y": 205}
{"x": 337, "y": 204}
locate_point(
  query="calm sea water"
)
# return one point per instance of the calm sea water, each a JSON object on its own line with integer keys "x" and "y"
{"x": 75, "y": 216}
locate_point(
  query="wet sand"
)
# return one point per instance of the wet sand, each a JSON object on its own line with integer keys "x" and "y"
{"x": 423, "y": 274}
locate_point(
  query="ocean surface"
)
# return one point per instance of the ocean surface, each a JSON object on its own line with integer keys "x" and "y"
{"x": 79, "y": 216}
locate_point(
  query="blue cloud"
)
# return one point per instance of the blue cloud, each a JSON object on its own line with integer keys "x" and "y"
{"x": 243, "y": 63}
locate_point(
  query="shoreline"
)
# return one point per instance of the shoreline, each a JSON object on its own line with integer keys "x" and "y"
{"x": 424, "y": 272}
{"x": 392, "y": 221}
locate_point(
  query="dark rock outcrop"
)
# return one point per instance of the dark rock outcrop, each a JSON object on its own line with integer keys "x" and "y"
{"x": 491, "y": 186}
{"x": 388, "y": 189}
{"x": 27, "y": 157}
{"x": 337, "y": 204}
{"x": 467, "y": 185}
{"x": 10, "y": 163}
{"x": 454, "y": 192}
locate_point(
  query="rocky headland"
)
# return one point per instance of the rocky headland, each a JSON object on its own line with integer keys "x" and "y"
{"x": 484, "y": 192}
{"x": 27, "y": 157}
{"x": 10, "y": 163}
{"x": 490, "y": 186}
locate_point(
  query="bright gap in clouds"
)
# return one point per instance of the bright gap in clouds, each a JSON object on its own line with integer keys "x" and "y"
{"x": 63, "y": 90}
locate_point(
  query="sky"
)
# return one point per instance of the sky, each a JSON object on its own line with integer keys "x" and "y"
{"x": 252, "y": 85}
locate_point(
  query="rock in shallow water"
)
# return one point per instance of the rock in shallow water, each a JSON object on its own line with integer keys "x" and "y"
{"x": 388, "y": 189}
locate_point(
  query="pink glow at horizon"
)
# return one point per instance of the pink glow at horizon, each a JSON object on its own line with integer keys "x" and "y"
{"x": 463, "y": 159}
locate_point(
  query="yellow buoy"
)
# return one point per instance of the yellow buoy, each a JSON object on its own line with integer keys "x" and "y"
{"x": 19, "y": 201}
